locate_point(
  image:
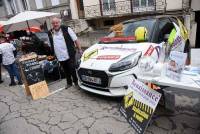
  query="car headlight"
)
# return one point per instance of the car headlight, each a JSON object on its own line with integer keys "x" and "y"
{"x": 126, "y": 63}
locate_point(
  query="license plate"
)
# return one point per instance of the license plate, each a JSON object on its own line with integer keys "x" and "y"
{"x": 91, "y": 79}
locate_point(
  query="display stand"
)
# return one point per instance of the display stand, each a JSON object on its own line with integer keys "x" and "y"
{"x": 33, "y": 77}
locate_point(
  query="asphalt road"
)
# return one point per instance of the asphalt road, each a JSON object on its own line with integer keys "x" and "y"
{"x": 74, "y": 111}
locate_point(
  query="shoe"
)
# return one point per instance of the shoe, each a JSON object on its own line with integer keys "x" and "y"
{"x": 75, "y": 83}
{"x": 20, "y": 83}
{"x": 12, "y": 84}
{"x": 1, "y": 81}
{"x": 68, "y": 86}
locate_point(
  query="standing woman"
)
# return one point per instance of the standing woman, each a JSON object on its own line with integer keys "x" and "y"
{"x": 7, "y": 53}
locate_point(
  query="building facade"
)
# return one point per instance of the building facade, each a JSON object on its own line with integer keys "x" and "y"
{"x": 103, "y": 13}
{"x": 8, "y": 8}
{"x": 71, "y": 11}
{"x": 195, "y": 23}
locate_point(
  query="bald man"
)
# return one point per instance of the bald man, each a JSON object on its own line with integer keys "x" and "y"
{"x": 63, "y": 42}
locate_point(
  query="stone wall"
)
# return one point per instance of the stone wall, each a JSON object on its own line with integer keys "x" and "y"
{"x": 86, "y": 34}
{"x": 90, "y": 38}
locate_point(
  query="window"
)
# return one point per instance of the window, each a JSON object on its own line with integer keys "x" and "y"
{"x": 108, "y": 22}
{"x": 1, "y": 2}
{"x": 55, "y": 2}
{"x": 143, "y": 3}
{"x": 25, "y": 4}
{"x": 151, "y": 3}
{"x": 164, "y": 28}
{"x": 12, "y": 6}
{"x": 130, "y": 27}
{"x": 39, "y": 4}
{"x": 81, "y": 5}
{"x": 108, "y": 4}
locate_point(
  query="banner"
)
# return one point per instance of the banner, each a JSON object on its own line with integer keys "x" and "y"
{"x": 139, "y": 105}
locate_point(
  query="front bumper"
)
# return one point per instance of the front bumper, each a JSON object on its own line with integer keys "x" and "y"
{"x": 116, "y": 85}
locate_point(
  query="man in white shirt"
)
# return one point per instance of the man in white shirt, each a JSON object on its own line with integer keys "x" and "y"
{"x": 63, "y": 42}
{"x": 7, "y": 51}
{"x": 1, "y": 81}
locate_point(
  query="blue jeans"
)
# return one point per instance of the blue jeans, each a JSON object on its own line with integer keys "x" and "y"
{"x": 13, "y": 71}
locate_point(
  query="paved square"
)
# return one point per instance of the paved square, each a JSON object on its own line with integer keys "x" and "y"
{"x": 74, "y": 111}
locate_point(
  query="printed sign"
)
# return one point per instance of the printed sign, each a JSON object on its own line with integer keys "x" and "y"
{"x": 108, "y": 57}
{"x": 32, "y": 71}
{"x": 176, "y": 65}
{"x": 139, "y": 105}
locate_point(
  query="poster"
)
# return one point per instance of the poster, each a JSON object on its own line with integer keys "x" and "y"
{"x": 175, "y": 65}
{"x": 139, "y": 105}
{"x": 32, "y": 71}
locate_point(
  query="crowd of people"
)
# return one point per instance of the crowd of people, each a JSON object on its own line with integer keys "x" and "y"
{"x": 63, "y": 44}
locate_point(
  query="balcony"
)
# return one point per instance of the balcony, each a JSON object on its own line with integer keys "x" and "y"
{"x": 131, "y": 7}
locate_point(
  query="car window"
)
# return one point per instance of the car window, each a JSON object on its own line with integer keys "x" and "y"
{"x": 164, "y": 28}
{"x": 130, "y": 27}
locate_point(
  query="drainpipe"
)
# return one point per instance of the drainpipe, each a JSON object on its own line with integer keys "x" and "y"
{"x": 165, "y": 6}
{"x": 131, "y": 1}
{"x": 101, "y": 9}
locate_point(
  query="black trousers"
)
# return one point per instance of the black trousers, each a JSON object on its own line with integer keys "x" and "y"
{"x": 0, "y": 73}
{"x": 69, "y": 70}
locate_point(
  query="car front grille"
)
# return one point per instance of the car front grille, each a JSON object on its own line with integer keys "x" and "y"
{"x": 94, "y": 73}
{"x": 96, "y": 88}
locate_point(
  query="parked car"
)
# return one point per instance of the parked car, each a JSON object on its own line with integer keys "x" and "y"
{"x": 108, "y": 67}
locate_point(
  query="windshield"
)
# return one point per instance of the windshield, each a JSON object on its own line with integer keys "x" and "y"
{"x": 129, "y": 30}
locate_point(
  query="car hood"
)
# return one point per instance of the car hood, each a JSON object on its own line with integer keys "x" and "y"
{"x": 102, "y": 56}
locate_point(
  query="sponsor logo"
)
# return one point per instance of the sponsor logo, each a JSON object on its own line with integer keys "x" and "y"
{"x": 108, "y": 57}
{"x": 119, "y": 48}
{"x": 149, "y": 51}
{"x": 90, "y": 54}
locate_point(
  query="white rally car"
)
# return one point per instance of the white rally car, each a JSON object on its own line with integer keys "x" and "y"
{"x": 108, "y": 67}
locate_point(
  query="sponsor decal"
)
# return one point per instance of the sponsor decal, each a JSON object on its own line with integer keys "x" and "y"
{"x": 139, "y": 104}
{"x": 177, "y": 42}
{"x": 118, "y": 48}
{"x": 90, "y": 54}
{"x": 149, "y": 51}
{"x": 113, "y": 39}
{"x": 108, "y": 57}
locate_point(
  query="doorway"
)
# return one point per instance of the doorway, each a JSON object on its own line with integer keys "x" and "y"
{"x": 197, "y": 19}
{"x": 80, "y": 7}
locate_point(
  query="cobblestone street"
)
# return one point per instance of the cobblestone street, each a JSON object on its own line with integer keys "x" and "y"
{"x": 74, "y": 111}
